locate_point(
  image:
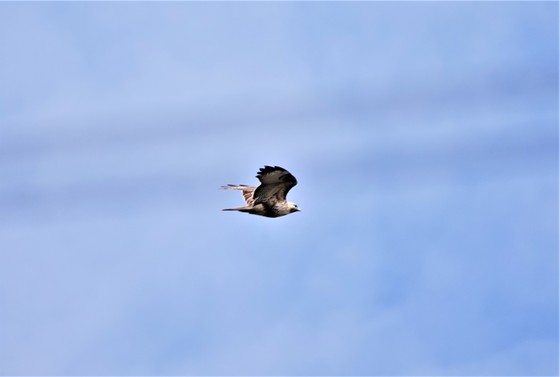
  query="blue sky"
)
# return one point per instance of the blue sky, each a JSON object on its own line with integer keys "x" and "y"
{"x": 424, "y": 137}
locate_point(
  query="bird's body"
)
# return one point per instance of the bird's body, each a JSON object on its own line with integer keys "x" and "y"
{"x": 268, "y": 199}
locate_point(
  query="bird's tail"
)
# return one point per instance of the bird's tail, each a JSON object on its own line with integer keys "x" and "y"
{"x": 240, "y": 209}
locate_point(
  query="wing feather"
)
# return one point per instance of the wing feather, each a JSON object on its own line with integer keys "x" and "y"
{"x": 247, "y": 192}
{"x": 275, "y": 184}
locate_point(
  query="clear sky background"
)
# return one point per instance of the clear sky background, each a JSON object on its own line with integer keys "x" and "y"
{"x": 425, "y": 140}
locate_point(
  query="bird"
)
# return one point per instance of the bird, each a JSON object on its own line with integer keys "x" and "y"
{"x": 269, "y": 198}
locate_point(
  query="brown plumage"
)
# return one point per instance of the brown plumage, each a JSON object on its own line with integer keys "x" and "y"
{"x": 269, "y": 198}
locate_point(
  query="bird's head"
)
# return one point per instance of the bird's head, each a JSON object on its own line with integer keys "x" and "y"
{"x": 293, "y": 207}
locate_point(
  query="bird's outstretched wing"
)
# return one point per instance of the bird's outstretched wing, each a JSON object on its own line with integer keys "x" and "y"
{"x": 247, "y": 192}
{"x": 275, "y": 184}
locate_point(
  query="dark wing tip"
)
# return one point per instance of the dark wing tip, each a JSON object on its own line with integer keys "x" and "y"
{"x": 285, "y": 177}
{"x": 269, "y": 169}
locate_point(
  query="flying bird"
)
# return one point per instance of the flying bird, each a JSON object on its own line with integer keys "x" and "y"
{"x": 269, "y": 199}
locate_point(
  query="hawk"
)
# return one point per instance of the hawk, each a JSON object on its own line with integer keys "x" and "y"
{"x": 269, "y": 199}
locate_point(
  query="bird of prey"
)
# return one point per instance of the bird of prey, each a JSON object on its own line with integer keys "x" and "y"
{"x": 269, "y": 199}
